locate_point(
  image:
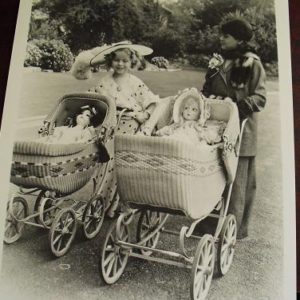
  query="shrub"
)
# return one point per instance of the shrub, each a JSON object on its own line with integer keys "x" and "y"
{"x": 55, "y": 55}
{"x": 33, "y": 55}
{"x": 204, "y": 41}
{"x": 160, "y": 62}
{"x": 271, "y": 69}
{"x": 167, "y": 43}
{"x": 199, "y": 60}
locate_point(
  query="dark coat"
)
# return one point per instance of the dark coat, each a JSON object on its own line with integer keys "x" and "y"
{"x": 250, "y": 99}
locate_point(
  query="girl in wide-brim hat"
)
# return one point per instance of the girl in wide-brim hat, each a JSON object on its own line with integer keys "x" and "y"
{"x": 128, "y": 91}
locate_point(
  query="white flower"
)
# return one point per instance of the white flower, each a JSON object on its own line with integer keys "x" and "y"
{"x": 216, "y": 61}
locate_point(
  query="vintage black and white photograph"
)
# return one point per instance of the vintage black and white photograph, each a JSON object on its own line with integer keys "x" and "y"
{"x": 148, "y": 155}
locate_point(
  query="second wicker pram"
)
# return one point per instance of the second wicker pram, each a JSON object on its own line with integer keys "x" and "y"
{"x": 159, "y": 177}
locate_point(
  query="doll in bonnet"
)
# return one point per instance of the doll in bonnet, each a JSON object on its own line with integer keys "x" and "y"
{"x": 191, "y": 121}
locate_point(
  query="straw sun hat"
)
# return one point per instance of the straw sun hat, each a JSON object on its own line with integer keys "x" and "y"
{"x": 81, "y": 68}
{"x": 100, "y": 57}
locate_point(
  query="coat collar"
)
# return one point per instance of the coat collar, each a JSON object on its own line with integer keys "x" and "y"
{"x": 227, "y": 66}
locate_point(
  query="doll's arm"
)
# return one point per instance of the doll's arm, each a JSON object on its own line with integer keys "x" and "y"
{"x": 167, "y": 130}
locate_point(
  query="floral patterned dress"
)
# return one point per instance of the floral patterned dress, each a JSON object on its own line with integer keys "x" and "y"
{"x": 134, "y": 97}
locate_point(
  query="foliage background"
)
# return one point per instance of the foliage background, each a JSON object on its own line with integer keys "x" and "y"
{"x": 183, "y": 31}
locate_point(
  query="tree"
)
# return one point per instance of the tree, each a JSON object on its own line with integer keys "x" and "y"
{"x": 87, "y": 23}
{"x": 126, "y": 21}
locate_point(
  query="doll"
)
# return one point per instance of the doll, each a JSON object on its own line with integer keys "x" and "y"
{"x": 191, "y": 124}
{"x": 77, "y": 131}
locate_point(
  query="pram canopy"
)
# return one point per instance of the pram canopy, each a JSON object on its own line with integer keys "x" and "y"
{"x": 65, "y": 168}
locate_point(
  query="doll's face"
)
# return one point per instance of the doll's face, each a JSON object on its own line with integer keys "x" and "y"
{"x": 84, "y": 118}
{"x": 191, "y": 110}
{"x": 121, "y": 62}
{"x": 228, "y": 42}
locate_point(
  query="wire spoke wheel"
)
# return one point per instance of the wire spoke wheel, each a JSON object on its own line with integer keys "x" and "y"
{"x": 203, "y": 267}
{"x": 42, "y": 195}
{"x": 17, "y": 210}
{"x": 93, "y": 217}
{"x": 147, "y": 223}
{"x": 62, "y": 231}
{"x": 37, "y": 204}
{"x": 47, "y": 211}
{"x": 226, "y": 246}
{"x": 113, "y": 256}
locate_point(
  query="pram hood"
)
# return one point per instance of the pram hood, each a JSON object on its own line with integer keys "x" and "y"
{"x": 180, "y": 100}
{"x": 70, "y": 104}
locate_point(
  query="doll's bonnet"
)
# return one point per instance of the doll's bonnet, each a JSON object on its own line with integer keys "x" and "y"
{"x": 183, "y": 97}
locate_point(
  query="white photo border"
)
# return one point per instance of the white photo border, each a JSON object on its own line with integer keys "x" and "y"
{"x": 10, "y": 113}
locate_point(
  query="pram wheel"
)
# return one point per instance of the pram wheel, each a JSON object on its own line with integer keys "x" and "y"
{"x": 47, "y": 211}
{"x": 203, "y": 267}
{"x": 17, "y": 210}
{"x": 93, "y": 217}
{"x": 147, "y": 223}
{"x": 40, "y": 205}
{"x": 62, "y": 231}
{"x": 113, "y": 257}
{"x": 226, "y": 245}
{"x": 37, "y": 204}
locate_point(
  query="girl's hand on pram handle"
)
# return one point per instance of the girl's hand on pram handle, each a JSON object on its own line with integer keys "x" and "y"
{"x": 142, "y": 116}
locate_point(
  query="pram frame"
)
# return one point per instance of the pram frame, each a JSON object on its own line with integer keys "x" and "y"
{"x": 123, "y": 249}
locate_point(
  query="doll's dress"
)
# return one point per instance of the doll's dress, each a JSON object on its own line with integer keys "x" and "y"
{"x": 187, "y": 132}
{"x": 69, "y": 135}
{"x": 193, "y": 132}
{"x": 135, "y": 96}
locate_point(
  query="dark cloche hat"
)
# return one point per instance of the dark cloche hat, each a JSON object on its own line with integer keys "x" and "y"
{"x": 239, "y": 28}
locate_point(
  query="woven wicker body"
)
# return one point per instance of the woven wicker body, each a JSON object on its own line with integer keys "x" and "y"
{"x": 166, "y": 174}
{"x": 67, "y": 168}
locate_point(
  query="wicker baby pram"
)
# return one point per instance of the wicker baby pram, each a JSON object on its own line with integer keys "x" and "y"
{"x": 58, "y": 170}
{"x": 158, "y": 176}
{"x": 171, "y": 174}
{"x": 63, "y": 168}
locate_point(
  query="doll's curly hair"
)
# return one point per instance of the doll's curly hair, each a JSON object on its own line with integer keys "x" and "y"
{"x": 71, "y": 121}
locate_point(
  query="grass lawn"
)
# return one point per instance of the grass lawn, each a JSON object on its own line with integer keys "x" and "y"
{"x": 41, "y": 90}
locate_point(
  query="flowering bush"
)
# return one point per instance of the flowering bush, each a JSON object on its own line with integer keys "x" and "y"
{"x": 160, "y": 62}
{"x": 55, "y": 55}
{"x": 33, "y": 55}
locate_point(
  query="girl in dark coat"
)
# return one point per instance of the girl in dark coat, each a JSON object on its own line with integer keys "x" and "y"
{"x": 237, "y": 73}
